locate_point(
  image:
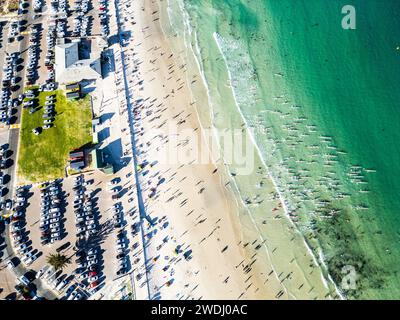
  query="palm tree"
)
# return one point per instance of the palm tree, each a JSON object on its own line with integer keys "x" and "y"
{"x": 58, "y": 261}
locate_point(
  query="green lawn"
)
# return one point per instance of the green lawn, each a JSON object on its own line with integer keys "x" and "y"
{"x": 45, "y": 156}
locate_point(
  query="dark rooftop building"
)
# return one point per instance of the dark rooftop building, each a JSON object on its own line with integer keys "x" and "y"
{"x": 72, "y": 86}
{"x": 73, "y": 95}
{"x": 77, "y": 164}
{"x": 76, "y": 154}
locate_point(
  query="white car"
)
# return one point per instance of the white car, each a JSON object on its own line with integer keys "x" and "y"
{"x": 10, "y": 265}
{"x": 89, "y": 222}
{"x": 91, "y": 227}
{"x": 91, "y": 257}
{"x": 8, "y": 205}
{"x": 72, "y": 295}
{"x": 15, "y": 228}
{"x": 25, "y": 259}
{"x": 120, "y": 245}
{"x": 17, "y": 238}
{"x": 41, "y": 272}
{"x": 93, "y": 278}
{"x": 24, "y": 280}
{"x": 92, "y": 262}
{"x": 36, "y": 131}
{"x": 92, "y": 251}
{"x": 31, "y": 259}
{"x": 44, "y": 221}
{"x": 49, "y": 273}
{"x": 61, "y": 285}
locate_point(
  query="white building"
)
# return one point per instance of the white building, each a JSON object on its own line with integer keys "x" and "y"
{"x": 69, "y": 68}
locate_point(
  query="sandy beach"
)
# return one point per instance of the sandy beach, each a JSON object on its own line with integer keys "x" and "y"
{"x": 198, "y": 150}
{"x": 194, "y": 213}
{"x": 199, "y": 240}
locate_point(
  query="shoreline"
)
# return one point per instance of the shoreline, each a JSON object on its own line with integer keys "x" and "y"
{"x": 236, "y": 192}
{"x": 216, "y": 208}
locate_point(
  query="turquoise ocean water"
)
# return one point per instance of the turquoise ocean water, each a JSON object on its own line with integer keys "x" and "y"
{"x": 324, "y": 106}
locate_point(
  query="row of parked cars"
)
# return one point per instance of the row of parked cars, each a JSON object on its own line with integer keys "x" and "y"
{"x": 59, "y": 7}
{"x": 104, "y": 17}
{"x": 2, "y": 24}
{"x": 33, "y": 54}
{"x": 50, "y": 219}
{"x": 88, "y": 267}
{"x": 55, "y": 29}
{"x": 15, "y": 29}
{"x": 121, "y": 244}
{"x": 85, "y": 221}
{"x": 49, "y": 113}
{"x": 59, "y": 282}
{"x": 81, "y": 26}
{"x": 86, "y": 225}
{"x": 118, "y": 215}
{"x": 121, "y": 248}
{"x": 82, "y": 21}
{"x": 19, "y": 236}
{"x": 3, "y": 159}
{"x": 9, "y": 81}
{"x": 61, "y": 27}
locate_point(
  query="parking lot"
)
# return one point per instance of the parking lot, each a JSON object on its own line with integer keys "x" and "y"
{"x": 32, "y": 38}
{"x": 27, "y": 56}
{"x": 84, "y": 216}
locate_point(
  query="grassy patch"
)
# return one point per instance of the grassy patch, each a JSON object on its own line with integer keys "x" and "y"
{"x": 3, "y": 4}
{"x": 45, "y": 156}
{"x": 13, "y": 5}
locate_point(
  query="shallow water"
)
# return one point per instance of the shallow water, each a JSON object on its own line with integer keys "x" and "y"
{"x": 323, "y": 106}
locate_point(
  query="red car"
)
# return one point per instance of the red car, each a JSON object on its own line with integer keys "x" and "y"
{"x": 92, "y": 273}
{"x": 92, "y": 285}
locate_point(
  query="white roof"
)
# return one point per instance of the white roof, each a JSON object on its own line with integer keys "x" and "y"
{"x": 66, "y": 54}
{"x": 69, "y": 68}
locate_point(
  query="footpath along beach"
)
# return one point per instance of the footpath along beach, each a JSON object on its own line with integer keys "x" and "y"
{"x": 199, "y": 240}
